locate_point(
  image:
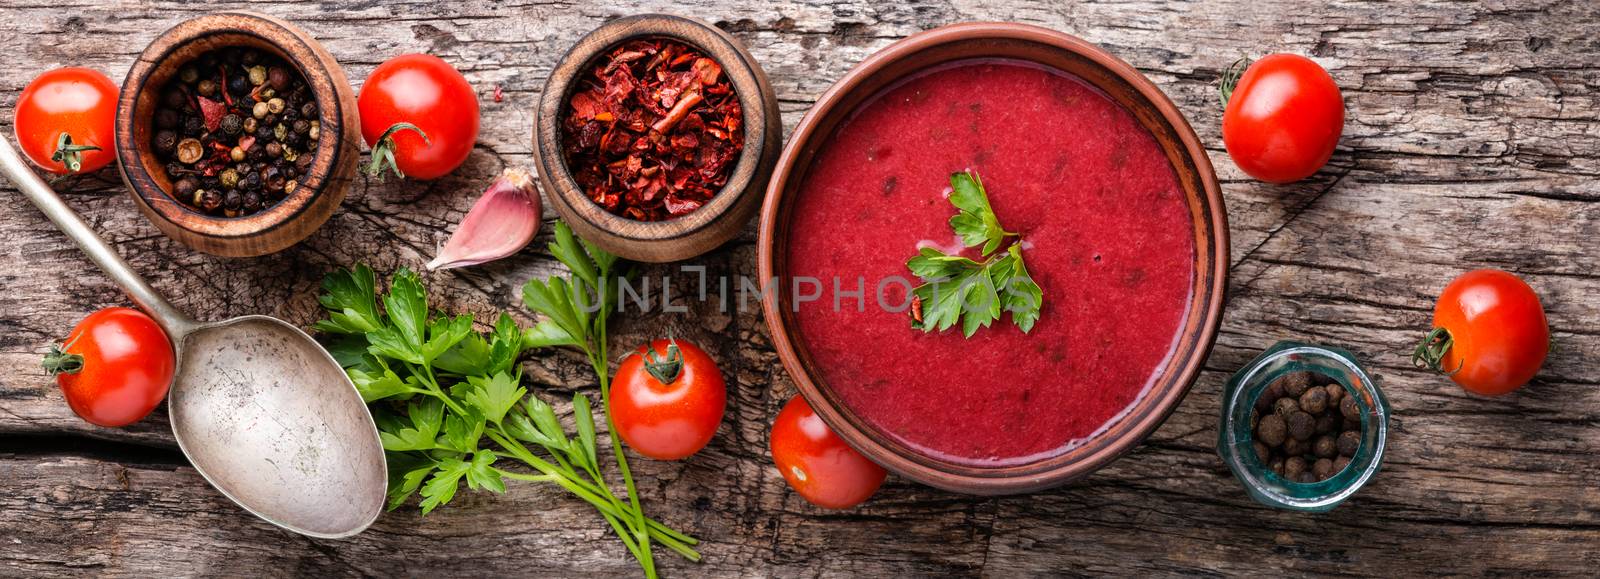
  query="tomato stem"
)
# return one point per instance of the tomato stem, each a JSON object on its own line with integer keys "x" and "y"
{"x": 1430, "y": 352}
{"x": 383, "y": 151}
{"x": 668, "y": 368}
{"x": 1230, "y": 78}
{"x": 70, "y": 155}
{"x": 59, "y": 361}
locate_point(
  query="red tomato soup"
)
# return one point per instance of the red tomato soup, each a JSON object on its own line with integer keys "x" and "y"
{"x": 1107, "y": 236}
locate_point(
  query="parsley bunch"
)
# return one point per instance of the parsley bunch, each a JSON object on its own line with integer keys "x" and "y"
{"x": 449, "y": 401}
{"x": 957, "y": 288}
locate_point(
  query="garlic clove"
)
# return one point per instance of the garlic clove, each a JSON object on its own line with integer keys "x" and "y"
{"x": 499, "y": 224}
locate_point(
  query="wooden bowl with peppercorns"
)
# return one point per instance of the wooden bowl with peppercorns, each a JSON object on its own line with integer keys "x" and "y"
{"x": 237, "y": 134}
{"x": 655, "y": 136}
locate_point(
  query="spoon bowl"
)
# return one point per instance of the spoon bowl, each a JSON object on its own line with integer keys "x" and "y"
{"x": 262, "y": 411}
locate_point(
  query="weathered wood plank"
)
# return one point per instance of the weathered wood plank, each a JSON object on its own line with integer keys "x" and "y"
{"x": 1473, "y": 140}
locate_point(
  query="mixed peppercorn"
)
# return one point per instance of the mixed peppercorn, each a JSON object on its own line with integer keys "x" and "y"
{"x": 1306, "y": 427}
{"x": 237, "y": 131}
{"x": 653, "y": 130}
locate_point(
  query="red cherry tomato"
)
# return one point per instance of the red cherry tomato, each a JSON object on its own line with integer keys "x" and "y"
{"x": 1489, "y": 335}
{"x": 1283, "y": 118}
{"x": 419, "y": 115}
{"x": 817, "y": 463}
{"x": 65, "y": 120}
{"x": 115, "y": 368}
{"x": 667, "y": 401}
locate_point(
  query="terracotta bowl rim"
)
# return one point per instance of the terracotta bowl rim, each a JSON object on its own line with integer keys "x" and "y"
{"x": 1202, "y": 319}
{"x": 743, "y": 174}
{"x": 130, "y": 156}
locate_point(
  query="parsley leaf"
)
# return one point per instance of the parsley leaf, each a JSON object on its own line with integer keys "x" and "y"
{"x": 407, "y": 470}
{"x": 449, "y": 401}
{"x": 426, "y": 418}
{"x": 442, "y": 487}
{"x": 1022, "y": 295}
{"x": 407, "y": 306}
{"x": 483, "y": 475}
{"x": 495, "y": 395}
{"x": 381, "y": 383}
{"x": 956, "y": 288}
{"x": 976, "y": 222}
{"x": 462, "y": 430}
{"x": 348, "y": 297}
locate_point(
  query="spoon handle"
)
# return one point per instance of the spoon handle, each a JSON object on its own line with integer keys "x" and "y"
{"x": 175, "y": 322}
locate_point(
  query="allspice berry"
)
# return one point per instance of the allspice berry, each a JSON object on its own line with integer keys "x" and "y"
{"x": 1324, "y": 447}
{"x": 1293, "y": 466}
{"x": 1273, "y": 430}
{"x": 184, "y": 188}
{"x": 1335, "y": 393}
{"x": 1327, "y": 422}
{"x": 1314, "y": 400}
{"x": 1348, "y": 442}
{"x": 1295, "y": 447}
{"x": 174, "y": 99}
{"x": 1285, "y": 406}
{"x": 1322, "y": 469}
{"x": 1349, "y": 409}
{"x": 1261, "y": 450}
{"x": 278, "y": 77}
{"x": 1263, "y": 404}
{"x": 166, "y": 142}
{"x": 1301, "y": 425}
{"x": 1295, "y": 384}
{"x": 166, "y": 119}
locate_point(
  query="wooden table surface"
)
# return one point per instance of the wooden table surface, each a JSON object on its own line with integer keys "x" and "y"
{"x": 1472, "y": 140}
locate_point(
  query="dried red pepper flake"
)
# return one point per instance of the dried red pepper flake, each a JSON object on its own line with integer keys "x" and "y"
{"x": 211, "y": 112}
{"x": 653, "y": 131}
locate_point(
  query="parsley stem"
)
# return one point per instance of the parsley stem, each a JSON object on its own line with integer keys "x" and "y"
{"x": 426, "y": 375}
{"x": 601, "y": 367}
{"x": 605, "y": 508}
{"x": 598, "y": 488}
{"x": 569, "y": 478}
{"x": 527, "y": 477}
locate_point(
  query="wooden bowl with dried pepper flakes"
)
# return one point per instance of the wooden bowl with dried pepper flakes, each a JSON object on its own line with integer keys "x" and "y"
{"x": 295, "y": 195}
{"x": 655, "y": 137}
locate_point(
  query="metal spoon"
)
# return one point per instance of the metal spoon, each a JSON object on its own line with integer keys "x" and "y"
{"x": 260, "y": 409}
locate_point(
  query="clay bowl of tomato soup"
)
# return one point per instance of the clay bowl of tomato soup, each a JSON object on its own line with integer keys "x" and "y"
{"x": 1122, "y": 226}
{"x": 287, "y": 221}
{"x": 719, "y": 218}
